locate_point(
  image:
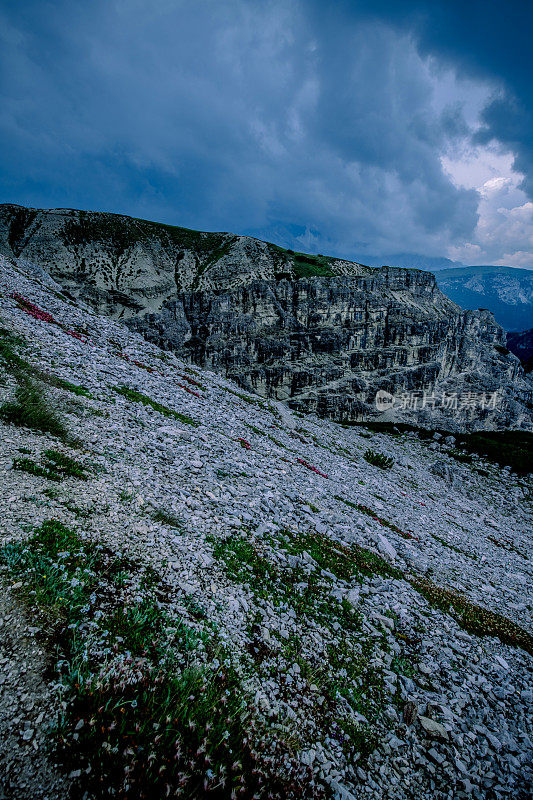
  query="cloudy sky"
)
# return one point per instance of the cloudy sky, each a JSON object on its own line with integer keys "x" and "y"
{"x": 353, "y": 128}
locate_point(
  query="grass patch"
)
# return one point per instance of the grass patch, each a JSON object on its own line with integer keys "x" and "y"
{"x": 9, "y": 343}
{"x": 57, "y": 568}
{"x": 254, "y": 429}
{"x": 463, "y": 458}
{"x": 152, "y": 706}
{"x": 345, "y": 673}
{"x": 370, "y": 513}
{"x": 471, "y": 617}
{"x": 311, "y": 266}
{"x": 65, "y": 465}
{"x": 55, "y": 466}
{"x": 138, "y": 397}
{"x": 160, "y": 515}
{"x": 453, "y": 547}
{"x": 60, "y": 383}
{"x": 507, "y": 448}
{"x": 246, "y": 563}
{"x": 33, "y": 468}
{"x": 30, "y": 409}
{"x": 378, "y": 459}
{"x": 253, "y": 401}
{"x": 385, "y": 522}
{"x": 18, "y": 365}
{"x": 222, "y": 474}
{"x": 343, "y": 561}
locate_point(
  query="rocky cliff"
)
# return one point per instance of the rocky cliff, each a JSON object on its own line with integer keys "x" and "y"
{"x": 322, "y": 334}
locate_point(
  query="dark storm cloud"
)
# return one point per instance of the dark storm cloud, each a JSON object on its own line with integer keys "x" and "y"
{"x": 308, "y": 123}
{"x": 479, "y": 39}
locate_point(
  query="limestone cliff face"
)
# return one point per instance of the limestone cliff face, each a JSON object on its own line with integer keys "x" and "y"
{"x": 124, "y": 266}
{"x": 329, "y": 344}
{"x": 322, "y": 334}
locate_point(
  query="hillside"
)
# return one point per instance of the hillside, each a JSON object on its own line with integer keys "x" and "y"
{"x": 124, "y": 266}
{"x": 324, "y": 335}
{"x": 506, "y": 291}
{"x": 211, "y": 594}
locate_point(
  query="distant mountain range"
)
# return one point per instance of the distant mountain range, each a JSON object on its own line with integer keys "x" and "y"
{"x": 412, "y": 261}
{"x": 506, "y": 291}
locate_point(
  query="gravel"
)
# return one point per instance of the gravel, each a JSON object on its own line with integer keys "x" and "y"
{"x": 455, "y": 717}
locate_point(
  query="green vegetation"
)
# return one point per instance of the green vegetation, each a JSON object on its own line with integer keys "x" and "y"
{"x": 309, "y": 266}
{"x": 247, "y": 561}
{"x": 30, "y": 409}
{"x": 346, "y": 670}
{"x": 378, "y": 459}
{"x": 507, "y": 448}
{"x": 471, "y": 617}
{"x": 9, "y": 343}
{"x": 138, "y": 397}
{"x": 463, "y": 458}
{"x": 216, "y": 254}
{"x": 55, "y": 466}
{"x": 153, "y": 706}
{"x": 254, "y": 401}
{"x": 65, "y": 465}
{"x": 342, "y": 561}
{"x": 370, "y": 513}
{"x": 453, "y": 547}
{"x": 222, "y": 474}
{"x": 258, "y": 431}
{"x": 345, "y": 673}
{"x": 33, "y": 468}
{"x": 120, "y": 233}
{"x": 402, "y": 666}
{"x": 60, "y": 383}
{"x": 59, "y": 583}
{"x": 160, "y": 515}
{"x": 501, "y": 349}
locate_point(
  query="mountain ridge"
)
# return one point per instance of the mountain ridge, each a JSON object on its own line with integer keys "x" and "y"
{"x": 322, "y": 334}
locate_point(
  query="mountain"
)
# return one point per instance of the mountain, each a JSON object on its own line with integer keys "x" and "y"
{"x": 413, "y": 261}
{"x": 506, "y": 291}
{"x": 215, "y": 596}
{"x": 521, "y": 344}
{"x": 338, "y": 338}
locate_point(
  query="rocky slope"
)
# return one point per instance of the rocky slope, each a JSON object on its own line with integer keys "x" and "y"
{"x": 358, "y": 632}
{"x": 506, "y": 291}
{"x": 322, "y": 334}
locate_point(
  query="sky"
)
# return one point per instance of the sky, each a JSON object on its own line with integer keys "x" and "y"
{"x": 349, "y": 128}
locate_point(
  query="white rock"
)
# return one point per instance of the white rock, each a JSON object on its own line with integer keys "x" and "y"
{"x": 434, "y": 729}
{"x": 386, "y": 548}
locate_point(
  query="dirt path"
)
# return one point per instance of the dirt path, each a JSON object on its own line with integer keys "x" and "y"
{"x": 27, "y": 771}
